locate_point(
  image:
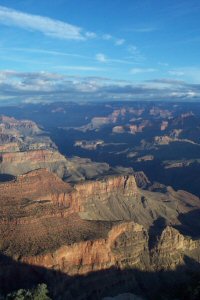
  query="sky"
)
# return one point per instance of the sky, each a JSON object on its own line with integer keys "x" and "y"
{"x": 77, "y": 50}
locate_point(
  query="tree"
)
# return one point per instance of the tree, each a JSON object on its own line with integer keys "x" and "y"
{"x": 40, "y": 292}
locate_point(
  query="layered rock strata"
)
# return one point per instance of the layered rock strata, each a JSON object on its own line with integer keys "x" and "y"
{"x": 48, "y": 224}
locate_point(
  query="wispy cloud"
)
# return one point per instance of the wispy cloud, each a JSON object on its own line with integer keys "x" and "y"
{"x": 79, "y": 68}
{"x": 47, "y": 26}
{"x": 135, "y": 71}
{"x": 176, "y": 73}
{"x": 135, "y": 53}
{"x": 116, "y": 41}
{"x": 23, "y": 60}
{"x": 100, "y": 57}
{"x": 51, "y": 27}
{"x": 44, "y": 51}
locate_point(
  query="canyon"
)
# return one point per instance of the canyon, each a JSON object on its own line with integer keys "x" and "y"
{"x": 25, "y": 147}
{"x": 90, "y": 228}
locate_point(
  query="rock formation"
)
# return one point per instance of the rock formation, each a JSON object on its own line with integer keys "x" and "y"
{"x": 92, "y": 226}
{"x": 25, "y": 147}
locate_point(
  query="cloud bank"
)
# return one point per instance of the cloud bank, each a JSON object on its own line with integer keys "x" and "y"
{"x": 20, "y": 87}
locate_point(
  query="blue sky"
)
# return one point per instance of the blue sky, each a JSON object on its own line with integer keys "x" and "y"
{"x": 114, "y": 49}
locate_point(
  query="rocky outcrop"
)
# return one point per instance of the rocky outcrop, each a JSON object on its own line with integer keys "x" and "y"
{"x": 125, "y": 247}
{"x": 104, "y": 199}
{"x": 141, "y": 179}
{"x": 16, "y": 163}
{"x": 133, "y": 128}
{"x": 145, "y": 158}
{"x": 172, "y": 248}
{"x": 20, "y": 198}
{"x": 26, "y": 191}
{"x": 164, "y": 125}
{"x": 9, "y": 147}
{"x": 25, "y": 147}
{"x": 157, "y": 111}
{"x": 115, "y": 250}
{"x": 111, "y": 199}
{"x": 118, "y": 129}
{"x": 89, "y": 145}
{"x": 36, "y": 156}
{"x": 25, "y": 127}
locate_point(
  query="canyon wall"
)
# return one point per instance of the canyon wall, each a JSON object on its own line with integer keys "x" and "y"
{"x": 58, "y": 230}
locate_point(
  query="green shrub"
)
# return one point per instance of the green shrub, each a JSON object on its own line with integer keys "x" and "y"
{"x": 38, "y": 293}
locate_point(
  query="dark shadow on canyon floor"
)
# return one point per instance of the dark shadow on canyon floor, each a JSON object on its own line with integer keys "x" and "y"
{"x": 190, "y": 224}
{"x": 155, "y": 231}
{"x": 111, "y": 282}
{"x": 6, "y": 177}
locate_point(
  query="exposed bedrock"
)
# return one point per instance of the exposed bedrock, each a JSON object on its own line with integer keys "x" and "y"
{"x": 98, "y": 225}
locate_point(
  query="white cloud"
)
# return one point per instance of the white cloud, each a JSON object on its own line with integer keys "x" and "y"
{"x": 45, "y": 25}
{"x": 188, "y": 73}
{"x": 176, "y": 73}
{"x": 142, "y": 70}
{"x": 50, "y": 27}
{"x": 107, "y": 37}
{"x": 116, "y": 41}
{"x": 52, "y": 87}
{"x": 135, "y": 53}
{"x": 101, "y": 57}
{"x": 57, "y": 29}
{"x": 133, "y": 49}
{"x": 119, "y": 42}
{"x": 90, "y": 35}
